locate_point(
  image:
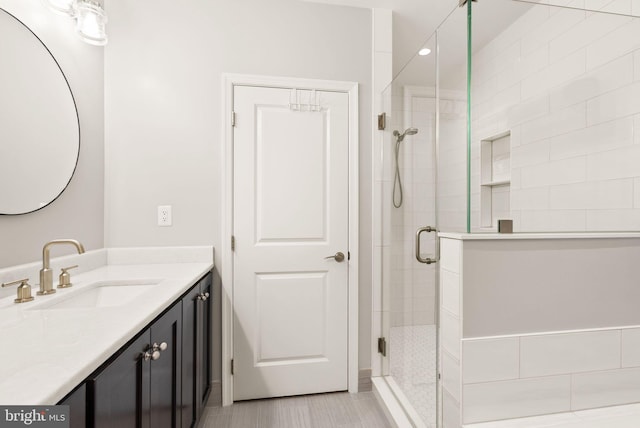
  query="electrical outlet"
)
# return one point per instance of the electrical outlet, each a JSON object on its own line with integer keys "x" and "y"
{"x": 164, "y": 215}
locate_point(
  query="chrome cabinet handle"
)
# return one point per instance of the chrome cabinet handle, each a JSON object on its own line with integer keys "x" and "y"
{"x": 150, "y": 354}
{"x": 153, "y": 353}
{"x": 339, "y": 257}
{"x": 160, "y": 347}
{"x": 203, "y": 296}
{"x": 418, "y": 233}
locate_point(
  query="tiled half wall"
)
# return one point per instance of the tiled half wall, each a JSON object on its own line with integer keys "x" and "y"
{"x": 526, "y": 373}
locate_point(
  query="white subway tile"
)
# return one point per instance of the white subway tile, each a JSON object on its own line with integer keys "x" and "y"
{"x": 554, "y": 354}
{"x": 530, "y": 154}
{"x": 583, "y": 34}
{"x": 504, "y": 100}
{"x": 382, "y": 30}
{"x": 607, "y": 220}
{"x": 530, "y": 199}
{"x": 515, "y": 398}
{"x": 636, "y": 193}
{"x": 534, "y": 61}
{"x": 553, "y": 221}
{"x": 619, "y": 163}
{"x": 451, "y": 375}
{"x": 636, "y": 125}
{"x": 622, "y": 7}
{"x": 610, "y": 76}
{"x": 546, "y": 30}
{"x": 489, "y": 360}
{"x": 554, "y": 75}
{"x": 450, "y": 291}
{"x": 636, "y": 65}
{"x": 615, "y": 44}
{"x": 598, "y": 138}
{"x": 450, "y": 255}
{"x": 609, "y": 388}
{"x": 555, "y": 123}
{"x": 631, "y": 347}
{"x": 572, "y": 170}
{"x": 609, "y": 194}
{"x": 450, "y": 411}
{"x": 450, "y": 334}
{"x": 382, "y": 70}
{"x": 621, "y": 102}
{"x": 528, "y": 110}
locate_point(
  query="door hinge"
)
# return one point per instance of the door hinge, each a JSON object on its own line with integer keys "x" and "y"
{"x": 233, "y": 243}
{"x": 233, "y": 118}
{"x": 382, "y": 346}
{"x": 232, "y": 366}
{"x": 382, "y": 121}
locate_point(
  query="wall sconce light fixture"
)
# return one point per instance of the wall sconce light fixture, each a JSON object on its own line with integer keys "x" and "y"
{"x": 90, "y": 18}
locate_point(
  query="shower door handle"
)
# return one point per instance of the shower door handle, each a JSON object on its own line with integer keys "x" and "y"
{"x": 418, "y": 233}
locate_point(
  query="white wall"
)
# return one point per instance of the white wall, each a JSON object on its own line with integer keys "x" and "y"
{"x": 78, "y": 212}
{"x": 566, "y": 84}
{"x": 163, "y": 108}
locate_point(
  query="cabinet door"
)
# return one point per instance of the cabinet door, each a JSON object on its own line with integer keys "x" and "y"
{"x": 189, "y": 304}
{"x": 120, "y": 391}
{"x": 203, "y": 345}
{"x": 77, "y": 402}
{"x": 166, "y": 371}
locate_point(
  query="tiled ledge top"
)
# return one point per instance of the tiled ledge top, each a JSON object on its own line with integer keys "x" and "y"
{"x": 550, "y": 235}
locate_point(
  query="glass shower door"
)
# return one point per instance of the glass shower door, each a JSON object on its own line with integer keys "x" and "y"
{"x": 423, "y": 190}
{"x": 409, "y": 190}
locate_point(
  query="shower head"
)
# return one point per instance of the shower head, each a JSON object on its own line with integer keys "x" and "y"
{"x": 400, "y": 137}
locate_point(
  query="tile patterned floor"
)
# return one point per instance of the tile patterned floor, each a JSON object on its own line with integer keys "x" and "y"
{"x": 413, "y": 366}
{"x": 331, "y": 410}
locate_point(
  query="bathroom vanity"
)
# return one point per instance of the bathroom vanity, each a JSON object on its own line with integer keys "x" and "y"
{"x": 128, "y": 345}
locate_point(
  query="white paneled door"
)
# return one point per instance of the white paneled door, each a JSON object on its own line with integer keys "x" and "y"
{"x": 291, "y": 226}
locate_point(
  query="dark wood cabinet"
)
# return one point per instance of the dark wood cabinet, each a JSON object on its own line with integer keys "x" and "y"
{"x": 116, "y": 394}
{"x": 196, "y": 361}
{"x": 141, "y": 386}
{"x": 160, "y": 379}
{"x": 77, "y": 402}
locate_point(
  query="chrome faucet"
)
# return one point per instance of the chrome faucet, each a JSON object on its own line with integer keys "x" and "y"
{"x": 46, "y": 273}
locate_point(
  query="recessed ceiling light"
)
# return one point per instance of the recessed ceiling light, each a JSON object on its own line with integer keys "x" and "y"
{"x": 424, "y": 52}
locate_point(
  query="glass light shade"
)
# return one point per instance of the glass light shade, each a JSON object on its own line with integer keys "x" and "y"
{"x": 67, "y": 7}
{"x": 91, "y": 23}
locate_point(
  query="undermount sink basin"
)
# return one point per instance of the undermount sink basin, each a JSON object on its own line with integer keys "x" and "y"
{"x": 101, "y": 295}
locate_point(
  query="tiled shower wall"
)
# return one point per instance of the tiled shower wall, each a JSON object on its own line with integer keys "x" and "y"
{"x": 566, "y": 84}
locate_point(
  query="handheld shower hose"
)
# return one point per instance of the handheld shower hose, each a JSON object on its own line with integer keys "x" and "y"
{"x": 397, "y": 181}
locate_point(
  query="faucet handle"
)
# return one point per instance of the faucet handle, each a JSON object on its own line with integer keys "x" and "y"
{"x": 24, "y": 290}
{"x": 65, "y": 277}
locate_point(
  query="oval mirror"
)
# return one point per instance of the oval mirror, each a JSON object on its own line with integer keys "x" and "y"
{"x": 39, "y": 126}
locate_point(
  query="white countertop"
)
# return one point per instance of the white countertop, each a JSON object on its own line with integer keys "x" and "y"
{"x": 45, "y": 353}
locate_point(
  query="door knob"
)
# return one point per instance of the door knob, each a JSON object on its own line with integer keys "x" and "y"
{"x": 339, "y": 257}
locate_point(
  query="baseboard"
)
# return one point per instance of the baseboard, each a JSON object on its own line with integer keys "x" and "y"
{"x": 364, "y": 380}
{"x": 215, "y": 396}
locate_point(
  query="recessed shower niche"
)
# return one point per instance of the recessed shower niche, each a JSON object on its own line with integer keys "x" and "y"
{"x": 495, "y": 179}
